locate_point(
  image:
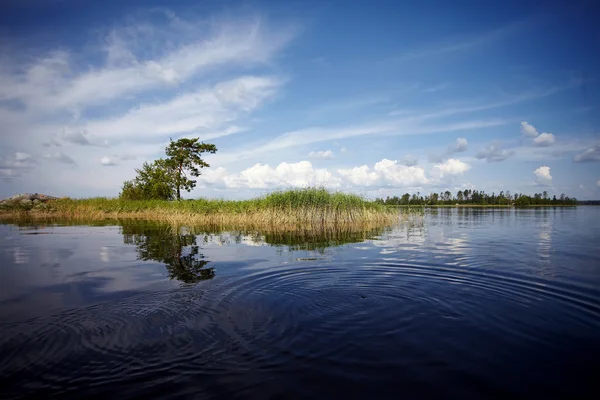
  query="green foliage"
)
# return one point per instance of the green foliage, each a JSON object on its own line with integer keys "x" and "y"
{"x": 184, "y": 158}
{"x": 179, "y": 251}
{"x": 475, "y": 197}
{"x": 153, "y": 181}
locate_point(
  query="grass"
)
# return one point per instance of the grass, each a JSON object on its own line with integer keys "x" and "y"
{"x": 298, "y": 207}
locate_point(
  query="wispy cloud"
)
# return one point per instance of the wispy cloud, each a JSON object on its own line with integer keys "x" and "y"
{"x": 51, "y": 83}
{"x": 590, "y": 154}
{"x": 400, "y": 127}
{"x": 205, "y": 112}
{"x": 462, "y": 44}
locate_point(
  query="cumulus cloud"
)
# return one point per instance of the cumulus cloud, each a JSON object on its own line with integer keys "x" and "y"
{"x": 460, "y": 146}
{"x": 528, "y": 129}
{"x": 321, "y": 155}
{"x": 598, "y": 183}
{"x": 540, "y": 140}
{"x": 384, "y": 172}
{"x": 359, "y": 176}
{"x": 452, "y": 166}
{"x": 542, "y": 175}
{"x": 396, "y": 174}
{"x": 590, "y": 154}
{"x": 107, "y": 162}
{"x": 544, "y": 140}
{"x": 302, "y": 174}
{"x": 494, "y": 153}
{"x": 59, "y": 157}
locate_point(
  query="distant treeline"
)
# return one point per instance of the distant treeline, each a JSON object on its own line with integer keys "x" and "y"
{"x": 589, "y": 202}
{"x": 476, "y": 197}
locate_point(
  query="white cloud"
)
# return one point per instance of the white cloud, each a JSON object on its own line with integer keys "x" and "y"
{"x": 384, "y": 172}
{"x": 157, "y": 77}
{"x": 598, "y": 183}
{"x": 494, "y": 153}
{"x": 50, "y": 82}
{"x": 544, "y": 140}
{"x": 590, "y": 154}
{"x": 396, "y": 174}
{"x": 542, "y": 175}
{"x": 209, "y": 108}
{"x": 300, "y": 174}
{"x": 107, "y": 162}
{"x": 359, "y": 176}
{"x": 321, "y": 155}
{"x": 528, "y": 129}
{"x": 452, "y": 166}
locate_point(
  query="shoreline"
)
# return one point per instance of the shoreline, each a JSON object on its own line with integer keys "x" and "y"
{"x": 301, "y": 208}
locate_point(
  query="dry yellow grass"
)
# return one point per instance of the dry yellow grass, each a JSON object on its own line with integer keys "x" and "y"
{"x": 304, "y": 208}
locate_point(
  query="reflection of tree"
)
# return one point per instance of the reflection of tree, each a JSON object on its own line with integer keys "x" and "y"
{"x": 320, "y": 239}
{"x": 178, "y": 251}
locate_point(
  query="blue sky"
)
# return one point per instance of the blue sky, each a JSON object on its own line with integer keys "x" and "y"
{"x": 378, "y": 98}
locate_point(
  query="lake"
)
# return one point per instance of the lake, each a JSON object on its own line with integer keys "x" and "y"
{"x": 463, "y": 303}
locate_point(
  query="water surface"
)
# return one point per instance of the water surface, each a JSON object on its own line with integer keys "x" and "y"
{"x": 467, "y": 303}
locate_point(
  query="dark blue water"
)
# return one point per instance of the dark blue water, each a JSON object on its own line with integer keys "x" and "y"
{"x": 467, "y": 303}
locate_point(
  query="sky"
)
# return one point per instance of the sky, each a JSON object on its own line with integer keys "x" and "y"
{"x": 378, "y": 98}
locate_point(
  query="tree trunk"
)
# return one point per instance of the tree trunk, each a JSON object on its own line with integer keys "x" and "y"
{"x": 179, "y": 182}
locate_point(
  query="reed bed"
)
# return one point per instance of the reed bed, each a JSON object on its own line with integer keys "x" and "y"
{"x": 305, "y": 208}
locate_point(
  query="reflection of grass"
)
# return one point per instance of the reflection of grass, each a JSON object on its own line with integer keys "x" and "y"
{"x": 304, "y": 207}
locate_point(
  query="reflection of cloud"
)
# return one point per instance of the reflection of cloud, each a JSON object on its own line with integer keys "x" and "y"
{"x": 405, "y": 238}
{"x": 21, "y": 256}
{"x": 253, "y": 241}
{"x": 545, "y": 247}
{"x": 105, "y": 254}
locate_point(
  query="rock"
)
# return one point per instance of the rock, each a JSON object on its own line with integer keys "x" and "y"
{"x": 28, "y": 199}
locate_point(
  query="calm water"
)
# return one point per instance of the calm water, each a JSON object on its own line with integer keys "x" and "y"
{"x": 467, "y": 303}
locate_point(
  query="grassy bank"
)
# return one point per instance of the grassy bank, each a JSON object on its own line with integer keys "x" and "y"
{"x": 304, "y": 207}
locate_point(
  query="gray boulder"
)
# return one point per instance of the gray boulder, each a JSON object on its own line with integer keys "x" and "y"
{"x": 27, "y": 198}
